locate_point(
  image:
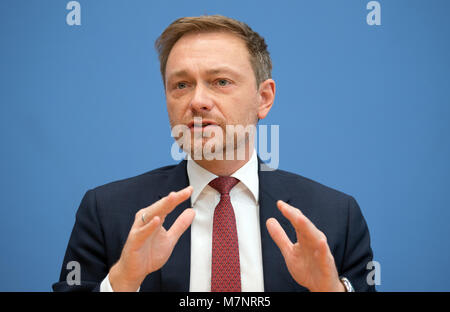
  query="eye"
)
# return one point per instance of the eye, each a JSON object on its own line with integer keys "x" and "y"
{"x": 181, "y": 85}
{"x": 222, "y": 82}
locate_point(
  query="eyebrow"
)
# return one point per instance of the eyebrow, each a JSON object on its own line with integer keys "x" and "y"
{"x": 178, "y": 73}
{"x": 222, "y": 69}
{"x": 212, "y": 71}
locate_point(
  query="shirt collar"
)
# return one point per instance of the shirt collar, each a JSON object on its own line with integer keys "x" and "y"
{"x": 199, "y": 177}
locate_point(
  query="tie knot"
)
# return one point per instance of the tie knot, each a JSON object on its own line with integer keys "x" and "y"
{"x": 223, "y": 185}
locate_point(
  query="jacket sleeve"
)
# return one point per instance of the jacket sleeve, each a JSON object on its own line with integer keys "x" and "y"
{"x": 84, "y": 265}
{"x": 358, "y": 252}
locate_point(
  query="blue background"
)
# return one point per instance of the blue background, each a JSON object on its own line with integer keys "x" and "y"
{"x": 363, "y": 109}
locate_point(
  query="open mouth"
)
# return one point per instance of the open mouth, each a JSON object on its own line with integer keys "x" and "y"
{"x": 201, "y": 125}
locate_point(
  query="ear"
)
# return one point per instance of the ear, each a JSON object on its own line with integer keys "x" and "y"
{"x": 266, "y": 96}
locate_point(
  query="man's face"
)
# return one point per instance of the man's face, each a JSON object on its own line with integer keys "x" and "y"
{"x": 209, "y": 75}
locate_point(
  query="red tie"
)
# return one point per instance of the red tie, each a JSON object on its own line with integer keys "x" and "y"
{"x": 225, "y": 269}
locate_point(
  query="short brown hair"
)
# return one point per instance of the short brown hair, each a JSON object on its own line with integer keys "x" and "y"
{"x": 257, "y": 48}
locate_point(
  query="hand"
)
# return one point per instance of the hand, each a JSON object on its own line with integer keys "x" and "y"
{"x": 309, "y": 260}
{"x": 149, "y": 245}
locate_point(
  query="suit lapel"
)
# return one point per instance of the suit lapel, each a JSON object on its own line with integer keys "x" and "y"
{"x": 175, "y": 274}
{"x": 272, "y": 188}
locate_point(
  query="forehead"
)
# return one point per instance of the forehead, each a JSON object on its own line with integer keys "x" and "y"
{"x": 203, "y": 51}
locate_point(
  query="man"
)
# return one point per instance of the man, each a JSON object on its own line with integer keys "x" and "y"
{"x": 249, "y": 229}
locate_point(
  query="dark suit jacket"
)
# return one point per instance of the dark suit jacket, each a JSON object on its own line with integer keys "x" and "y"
{"x": 106, "y": 215}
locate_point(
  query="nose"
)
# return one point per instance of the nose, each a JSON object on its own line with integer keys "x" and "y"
{"x": 201, "y": 100}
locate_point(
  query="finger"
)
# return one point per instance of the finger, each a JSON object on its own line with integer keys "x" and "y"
{"x": 279, "y": 235}
{"x": 304, "y": 228}
{"x": 166, "y": 204}
{"x": 144, "y": 232}
{"x": 181, "y": 224}
{"x": 324, "y": 253}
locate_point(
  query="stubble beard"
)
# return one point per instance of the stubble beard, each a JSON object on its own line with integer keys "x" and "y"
{"x": 221, "y": 142}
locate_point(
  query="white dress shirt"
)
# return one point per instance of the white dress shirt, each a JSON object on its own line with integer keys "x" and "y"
{"x": 245, "y": 200}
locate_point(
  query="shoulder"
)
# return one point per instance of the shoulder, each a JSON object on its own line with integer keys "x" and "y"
{"x": 153, "y": 177}
{"x": 139, "y": 190}
{"x": 300, "y": 186}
